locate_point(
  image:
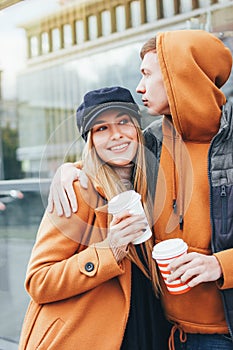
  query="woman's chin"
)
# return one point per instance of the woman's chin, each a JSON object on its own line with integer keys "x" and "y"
{"x": 119, "y": 162}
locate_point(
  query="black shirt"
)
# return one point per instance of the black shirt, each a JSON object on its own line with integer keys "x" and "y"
{"x": 147, "y": 328}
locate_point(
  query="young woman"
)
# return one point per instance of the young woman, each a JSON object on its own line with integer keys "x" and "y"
{"x": 90, "y": 287}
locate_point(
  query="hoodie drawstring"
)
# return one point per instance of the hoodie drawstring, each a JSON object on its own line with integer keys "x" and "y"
{"x": 180, "y": 204}
{"x": 181, "y": 184}
{"x": 174, "y": 189}
{"x": 183, "y": 336}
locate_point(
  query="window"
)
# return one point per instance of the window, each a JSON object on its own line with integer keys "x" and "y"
{"x": 67, "y": 35}
{"x": 92, "y": 27}
{"x": 168, "y": 8}
{"x": 106, "y": 23}
{"x": 135, "y": 13}
{"x": 34, "y": 46}
{"x": 45, "y": 43}
{"x": 151, "y": 11}
{"x": 204, "y": 3}
{"x": 185, "y": 6}
{"x": 56, "y": 42}
{"x": 80, "y": 37}
{"x": 120, "y": 18}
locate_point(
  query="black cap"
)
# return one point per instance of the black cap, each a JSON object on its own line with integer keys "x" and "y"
{"x": 97, "y": 101}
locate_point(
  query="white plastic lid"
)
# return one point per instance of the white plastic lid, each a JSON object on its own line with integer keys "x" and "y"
{"x": 169, "y": 248}
{"x": 123, "y": 201}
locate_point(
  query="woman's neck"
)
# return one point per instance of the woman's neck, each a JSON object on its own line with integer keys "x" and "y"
{"x": 125, "y": 174}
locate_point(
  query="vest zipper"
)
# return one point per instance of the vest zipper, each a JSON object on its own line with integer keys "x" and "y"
{"x": 223, "y": 195}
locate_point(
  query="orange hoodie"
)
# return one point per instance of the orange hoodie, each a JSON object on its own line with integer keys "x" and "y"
{"x": 194, "y": 65}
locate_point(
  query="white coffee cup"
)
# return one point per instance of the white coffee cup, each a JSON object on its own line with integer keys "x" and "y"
{"x": 164, "y": 253}
{"x": 129, "y": 200}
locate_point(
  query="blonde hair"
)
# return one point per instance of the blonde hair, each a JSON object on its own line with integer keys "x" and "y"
{"x": 104, "y": 176}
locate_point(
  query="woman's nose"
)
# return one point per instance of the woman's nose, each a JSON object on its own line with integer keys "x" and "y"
{"x": 115, "y": 132}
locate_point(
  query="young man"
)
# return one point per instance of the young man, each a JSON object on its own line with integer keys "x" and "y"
{"x": 182, "y": 75}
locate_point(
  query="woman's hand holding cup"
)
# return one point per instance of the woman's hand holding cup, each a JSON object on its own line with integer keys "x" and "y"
{"x": 124, "y": 229}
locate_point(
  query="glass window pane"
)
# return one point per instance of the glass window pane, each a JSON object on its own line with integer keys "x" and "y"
{"x": 120, "y": 18}
{"x": 56, "y": 44}
{"x": 92, "y": 27}
{"x": 106, "y": 23}
{"x": 151, "y": 11}
{"x": 67, "y": 35}
{"x": 80, "y": 37}
{"x": 204, "y": 3}
{"x": 135, "y": 13}
{"x": 168, "y": 8}
{"x": 34, "y": 46}
{"x": 45, "y": 42}
{"x": 185, "y": 6}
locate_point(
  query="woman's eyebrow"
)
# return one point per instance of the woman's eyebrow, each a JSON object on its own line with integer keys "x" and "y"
{"x": 100, "y": 122}
{"x": 121, "y": 113}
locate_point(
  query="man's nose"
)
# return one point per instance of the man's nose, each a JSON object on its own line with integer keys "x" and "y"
{"x": 140, "y": 89}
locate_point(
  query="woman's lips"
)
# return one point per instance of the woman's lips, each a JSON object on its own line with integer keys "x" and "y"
{"x": 120, "y": 147}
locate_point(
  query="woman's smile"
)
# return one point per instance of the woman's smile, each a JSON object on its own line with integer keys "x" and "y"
{"x": 120, "y": 148}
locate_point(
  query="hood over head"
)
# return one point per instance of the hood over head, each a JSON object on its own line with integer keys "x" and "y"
{"x": 195, "y": 65}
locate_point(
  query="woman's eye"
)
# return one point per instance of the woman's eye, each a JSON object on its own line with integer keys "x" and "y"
{"x": 99, "y": 128}
{"x": 124, "y": 121}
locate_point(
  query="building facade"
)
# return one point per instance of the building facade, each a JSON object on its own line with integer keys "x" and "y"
{"x": 87, "y": 45}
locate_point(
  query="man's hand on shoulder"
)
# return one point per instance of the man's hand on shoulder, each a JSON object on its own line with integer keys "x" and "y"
{"x": 62, "y": 197}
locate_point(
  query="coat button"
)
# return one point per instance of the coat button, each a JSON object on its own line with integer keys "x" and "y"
{"x": 89, "y": 266}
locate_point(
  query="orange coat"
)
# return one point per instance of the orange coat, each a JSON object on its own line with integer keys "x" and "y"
{"x": 80, "y": 296}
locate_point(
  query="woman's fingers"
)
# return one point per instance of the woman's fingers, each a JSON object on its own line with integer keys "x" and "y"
{"x": 124, "y": 230}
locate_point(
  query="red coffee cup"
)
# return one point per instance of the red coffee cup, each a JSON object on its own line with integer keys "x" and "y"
{"x": 164, "y": 253}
